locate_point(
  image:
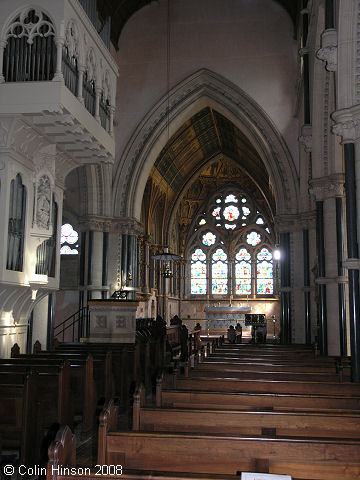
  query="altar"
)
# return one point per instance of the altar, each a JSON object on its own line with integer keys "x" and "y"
{"x": 219, "y": 319}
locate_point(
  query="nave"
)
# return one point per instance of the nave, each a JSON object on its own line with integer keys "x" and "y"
{"x": 227, "y": 409}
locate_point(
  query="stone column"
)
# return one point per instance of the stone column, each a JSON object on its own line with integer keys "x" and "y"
{"x": 127, "y": 261}
{"x": 327, "y": 190}
{"x": 285, "y": 288}
{"x": 348, "y": 127}
{"x": 59, "y": 41}
{"x": 94, "y": 265}
{"x": 2, "y": 48}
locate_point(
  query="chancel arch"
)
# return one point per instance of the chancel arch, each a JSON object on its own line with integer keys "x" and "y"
{"x": 202, "y": 89}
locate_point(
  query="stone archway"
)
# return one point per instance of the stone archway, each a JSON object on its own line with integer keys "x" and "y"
{"x": 203, "y": 88}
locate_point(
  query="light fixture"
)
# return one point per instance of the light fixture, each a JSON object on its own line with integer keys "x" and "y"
{"x": 277, "y": 253}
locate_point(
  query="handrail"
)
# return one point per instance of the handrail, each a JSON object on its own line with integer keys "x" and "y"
{"x": 76, "y": 318}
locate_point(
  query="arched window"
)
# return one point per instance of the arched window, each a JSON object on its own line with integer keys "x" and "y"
{"x": 16, "y": 227}
{"x": 198, "y": 273}
{"x": 69, "y": 240}
{"x": 219, "y": 273}
{"x": 30, "y": 52}
{"x": 243, "y": 272}
{"x": 264, "y": 272}
{"x": 235, "y": 238}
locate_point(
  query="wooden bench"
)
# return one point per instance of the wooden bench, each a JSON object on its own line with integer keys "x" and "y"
{"x": 267, "y": 375}
{"x": 19, "y": 414}
{"x": 247, "y": 422}
{"x": 228, "y": 454}
{"x": 81, "y": 381}
{"x": 266, "y": 386}
{"x": 126, "y": 364}
{"x": 270, "y": 366}
{"x": 62, "y": 457}
{"x": 244, "y": 401}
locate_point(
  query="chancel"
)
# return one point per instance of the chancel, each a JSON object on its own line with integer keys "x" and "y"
{"x": 169, "y": 170}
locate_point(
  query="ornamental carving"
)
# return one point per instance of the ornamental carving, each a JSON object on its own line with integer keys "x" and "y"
{"x": 43, "y": 202}
{"x": 72, "y": 39}
{"x": 31, "y": 23}
{"x": 328, "y": 51}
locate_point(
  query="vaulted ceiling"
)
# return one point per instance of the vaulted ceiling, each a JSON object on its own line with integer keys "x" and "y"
{"x": 207, "y": 153}
{"x": 121, "y": 10}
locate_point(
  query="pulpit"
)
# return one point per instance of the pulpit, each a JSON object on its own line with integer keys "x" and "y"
{"x": 112, "y": 321}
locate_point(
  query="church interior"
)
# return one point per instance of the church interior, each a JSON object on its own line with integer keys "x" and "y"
{"x": 179, "y": 263}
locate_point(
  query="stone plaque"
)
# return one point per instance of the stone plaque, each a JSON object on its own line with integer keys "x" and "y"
{"x": 101, "y": 321}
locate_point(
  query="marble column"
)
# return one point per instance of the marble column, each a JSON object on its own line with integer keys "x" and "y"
{"x": 348, "y": 127}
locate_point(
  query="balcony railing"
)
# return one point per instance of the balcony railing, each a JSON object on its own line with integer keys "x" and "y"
{"x": 32, "y": 50}
{"x": 70, "y": 71}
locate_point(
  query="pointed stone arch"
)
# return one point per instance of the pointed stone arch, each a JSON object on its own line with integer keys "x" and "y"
{"x": 203, "y": 88}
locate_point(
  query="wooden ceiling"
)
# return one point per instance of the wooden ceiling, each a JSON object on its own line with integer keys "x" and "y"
{"x": 121, "y": 10}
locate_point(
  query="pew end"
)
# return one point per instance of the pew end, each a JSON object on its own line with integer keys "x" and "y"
{"x": 62, "y": 452}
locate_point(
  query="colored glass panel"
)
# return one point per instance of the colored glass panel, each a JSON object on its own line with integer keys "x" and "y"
{"x": 243, "y": 272}
{"x": 243, "y": 254}
{"x": 246, "y": 211}
{"x": 202, "y": 221}
{"x": 216, "y": 212}
{"x": 231, "y": 198}
{"x": 68, "y": 234}
{"x": 66, "y": 250}
{"x": 253, "y": 238}
{"x": 264, "y": 254}
{"x": 260, "y": 221}
{"x": 198, "y": 273}
{"x": 230, "y": 227}
{"x": 219, "y": 272}
{"x": 219, "y": 255}
{"x": 209, "y": 239}
{"x": 219, "y": 287}
{"x": 265, "y": 287}
{"x": 231, "y": 213}
{"x": 198, "y": 255}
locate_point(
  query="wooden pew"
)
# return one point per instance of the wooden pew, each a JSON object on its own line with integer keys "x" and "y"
{"x": 266, "y": 375}
{"x": 19, "y": 415}
{"x": 296, "y": 367}
{"x": 81, "y": 380}
{"x": 99, "y": 366}
{"x": 62, "y": 457}
{"x": 126, "y": 364}
{"x": 270, "y": 386}
{"x": 245, "y": 400}
{"x": 248, "y": 422}
{"x": 227, "y": 454}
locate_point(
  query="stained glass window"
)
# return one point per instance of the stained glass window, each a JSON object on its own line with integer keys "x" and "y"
{"x": 231, "y": 198}
{"x": 68, "y": 240}
{"x": 264, "y": 273}
{"x": 216, "y": 212}
{"x": 230, "y": 227}
{"x": 246, "y": 211}
{"x": 198, "y": 272}
{"x": 209, "y": 239}
{"x": 253, "y": 238}
{"x": 231, "y": 213}
{"x": 219, "y": 273}
{"x": 202, "y": 221}
{"x": 260, "y": 221}
{"x": 243, "y": 272}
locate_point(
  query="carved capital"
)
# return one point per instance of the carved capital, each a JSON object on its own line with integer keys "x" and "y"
{"x": 306, "y": 137}
{"x": 327, "y": 187}
{"x": 328, "y": 51}
{"x": 126, "y": 225}
{"x": 347, "y": 124}
{"x": 96, "y": 224}
{"x": 295, "y": 223}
